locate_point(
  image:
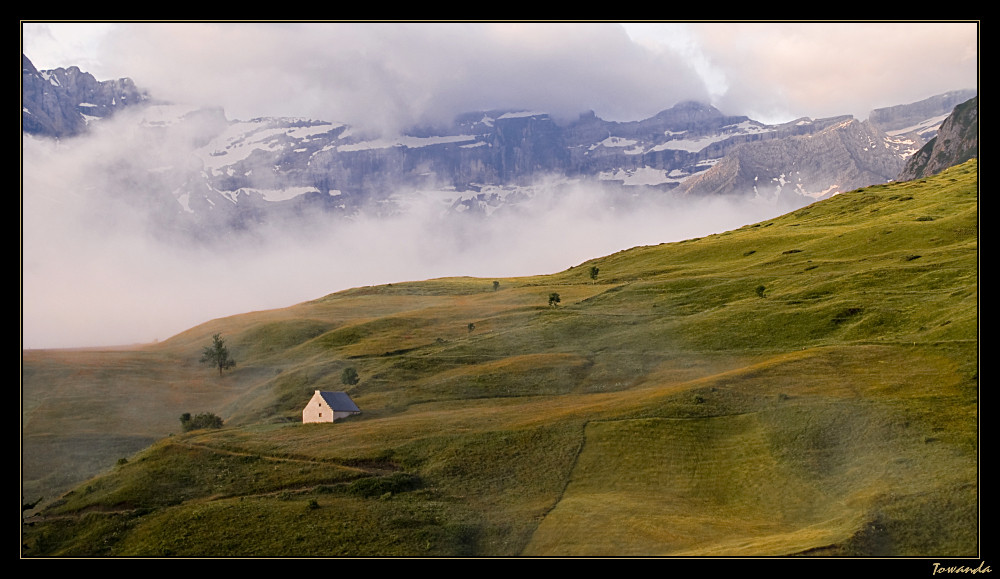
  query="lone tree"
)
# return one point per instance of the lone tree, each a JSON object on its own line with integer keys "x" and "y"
{"x": 349, "y": 377}
{"x": 217, "y": 354}
{"x": 594, "y": 270}
{"x": 554, "y": 299}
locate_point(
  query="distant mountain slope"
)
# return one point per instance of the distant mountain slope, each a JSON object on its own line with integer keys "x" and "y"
{"x": 956, "y": 142}
{"x": 805, "y": 385}
{"x": 922, "y": 117}
{"x": 845, "y": 155}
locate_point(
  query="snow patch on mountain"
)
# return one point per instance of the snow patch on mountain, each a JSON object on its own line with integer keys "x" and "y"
{"x": 522, "y": 114}
{"x": 275, "y": 195}
{"x": 643, "y": 176}
{"x": 931, "y": 123}
{"x": 690, "y": 145}
{"x": 243, "y": 138}
{"x": 619, "y": 142}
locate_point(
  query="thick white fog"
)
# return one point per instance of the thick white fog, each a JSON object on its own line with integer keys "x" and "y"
{"x": 93, "y": 273}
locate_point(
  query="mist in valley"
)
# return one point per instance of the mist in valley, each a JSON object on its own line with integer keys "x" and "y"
{"x": 103, "y": 265}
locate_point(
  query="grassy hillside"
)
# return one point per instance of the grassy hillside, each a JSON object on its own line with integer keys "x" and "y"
{"x": 805, "y": 385}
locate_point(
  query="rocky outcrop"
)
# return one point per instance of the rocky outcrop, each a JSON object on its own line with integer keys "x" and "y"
{"x": 956, "y": 142}
{"x": 59, "y": 102}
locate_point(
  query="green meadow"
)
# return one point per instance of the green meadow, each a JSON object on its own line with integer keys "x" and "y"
{"x": 807, "y": 385}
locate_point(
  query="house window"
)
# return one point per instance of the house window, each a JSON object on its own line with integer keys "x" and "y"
{"x": 321, "y": 415}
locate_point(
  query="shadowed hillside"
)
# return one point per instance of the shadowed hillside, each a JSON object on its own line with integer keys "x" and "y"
{"x": 804, "y": 385}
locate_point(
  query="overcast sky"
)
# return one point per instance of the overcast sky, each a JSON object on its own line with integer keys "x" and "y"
{"x": 394, "y": 74}
{"x": 96, "y": 279}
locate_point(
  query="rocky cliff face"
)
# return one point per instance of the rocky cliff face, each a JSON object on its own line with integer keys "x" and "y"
{"x": 325, "y": 165}
{"x": 59, "y": 102}
{"x": 956, "y": 141}
{"x": 844, "y": 155}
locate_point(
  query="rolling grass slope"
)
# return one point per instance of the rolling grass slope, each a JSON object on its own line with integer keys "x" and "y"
{"x": 804, "y": 385}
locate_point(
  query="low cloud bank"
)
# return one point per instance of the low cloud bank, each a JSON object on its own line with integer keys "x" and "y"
{"x": 93, "y": 273}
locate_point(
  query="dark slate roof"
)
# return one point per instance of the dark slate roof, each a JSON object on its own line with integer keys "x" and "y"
{"x": 340, "y": 402}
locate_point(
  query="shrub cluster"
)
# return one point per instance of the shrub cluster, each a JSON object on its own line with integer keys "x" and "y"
{"x": 203, "y": 420}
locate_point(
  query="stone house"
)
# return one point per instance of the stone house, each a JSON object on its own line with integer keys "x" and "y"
{"x": 326, "y": 406}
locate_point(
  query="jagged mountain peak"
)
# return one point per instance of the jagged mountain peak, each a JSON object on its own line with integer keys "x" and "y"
{"x": 62, "y": 101}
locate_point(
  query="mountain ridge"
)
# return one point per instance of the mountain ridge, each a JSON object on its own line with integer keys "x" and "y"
{"x": 256, "y": 173}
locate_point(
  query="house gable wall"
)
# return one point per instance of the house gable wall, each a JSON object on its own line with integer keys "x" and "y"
{"x": 319, "y": 410}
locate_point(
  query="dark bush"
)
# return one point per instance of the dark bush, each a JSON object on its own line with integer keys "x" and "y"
{"x": 349, "y": 377}
{"x": 203, "y": 420}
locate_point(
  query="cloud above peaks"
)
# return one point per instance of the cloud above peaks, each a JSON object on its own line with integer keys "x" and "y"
{"x": 822, "y": 69}
{"x": 390, "y": 75}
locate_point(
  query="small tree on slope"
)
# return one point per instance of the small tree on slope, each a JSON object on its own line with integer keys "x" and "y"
{"x": 217, "y": 354}
{"x": 349, "y": 377}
